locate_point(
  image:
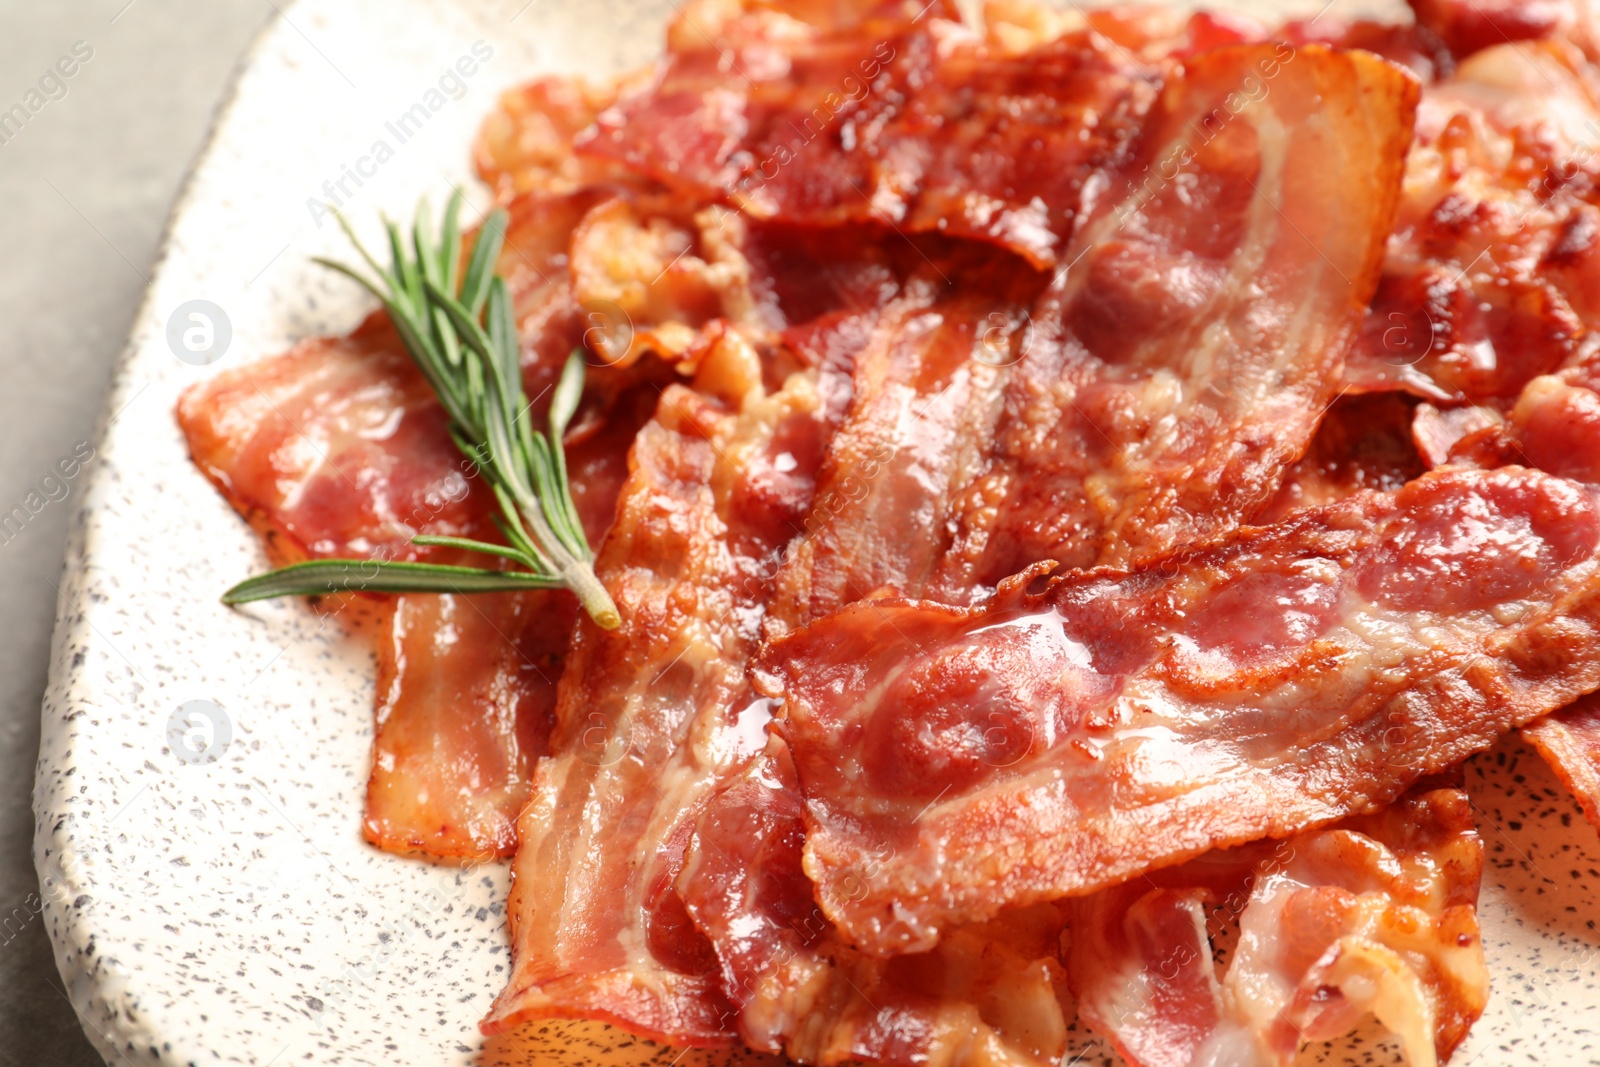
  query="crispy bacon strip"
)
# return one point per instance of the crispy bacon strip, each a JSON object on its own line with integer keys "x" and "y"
{"x": 1183, "y": 364}
{"x": 339, "y": 448}
{"x": 336, "y": 448}
{"x": 1074, "y": 433}
{"x": 901, "y": 115}
{"x": 467, "y": 684}
{"x": 1374, "y": 915}
{"x": 1569, "y": 741}
{"x": 926, "y": 386}
{"x": 1494, "y": 266}
{"x": 991, "y": 993}
{"x": 1051, "y": 744}
{"x": 653, "y": 718}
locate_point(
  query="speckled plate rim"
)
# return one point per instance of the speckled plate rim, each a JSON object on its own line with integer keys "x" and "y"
{"x": 216, "y": 904}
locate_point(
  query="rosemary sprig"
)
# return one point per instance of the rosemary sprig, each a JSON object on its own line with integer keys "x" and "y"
{"x": 460, "y": 330}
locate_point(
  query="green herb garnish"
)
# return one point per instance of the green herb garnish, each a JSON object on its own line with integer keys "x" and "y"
{"x": 462, "y": 335}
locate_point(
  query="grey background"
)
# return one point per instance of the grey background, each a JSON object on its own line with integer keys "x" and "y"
{"x": 84, "y": 192}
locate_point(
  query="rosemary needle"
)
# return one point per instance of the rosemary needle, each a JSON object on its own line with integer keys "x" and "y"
{"x": 460, "y": 330}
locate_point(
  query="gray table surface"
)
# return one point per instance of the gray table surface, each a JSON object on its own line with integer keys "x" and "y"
{"x": 85, "y": 189}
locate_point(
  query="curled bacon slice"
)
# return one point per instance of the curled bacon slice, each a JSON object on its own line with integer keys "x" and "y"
{"x": 1051, "y": 744}
{"x": 1374, "y": 915}
{"x": 1569, "y": 741}
{"x": 653, "y": 718}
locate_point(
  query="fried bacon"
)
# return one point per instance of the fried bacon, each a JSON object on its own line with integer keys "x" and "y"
{"x": 1183, "y": 363}
{"x": 1570, "y": 742}
{"x": 1493, "y": 266}
{"x": 1051, "y": 744}
{"x": 1076, "y": 289}
{"x": 925, "y": 391}
{"x": 336, "y": 448}
{"x": 339, "y": 448}
{"x": 1074, "y": 432}
{"x": 1373, "y": 915}
{"x": 1469, "y": 26}
{"x": 651, "y": 719}
{"x": 902, "y": 117}
{"x": 467, "y": 684}
{"x": 991, "y": 993}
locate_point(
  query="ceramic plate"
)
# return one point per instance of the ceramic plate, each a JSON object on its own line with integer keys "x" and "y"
{"x": 202, "y": 770}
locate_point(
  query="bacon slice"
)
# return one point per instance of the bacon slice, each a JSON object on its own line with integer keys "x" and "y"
{"x": 467, "y": 684}
{"x": 1173, "y": 374}
{"x": 1494, "y": 266}
{"x": 336, "y": 448}
{"x": 465, "y": 690}
{"x": 1374, "y": 915}
{"x": 1469, "y": 26}
{"x": 525, "y": 143}
{"x": 1072, "y": 433}
{"x": 1569, "y": 741}
{"x": 991, "y": 993}
{"x": 653, "y": 718}
{"x": 925, "y": 392}
{"x": 339, "y": 448}
{"x": 1052, "y": 744}
{"x": 902, "y": 116}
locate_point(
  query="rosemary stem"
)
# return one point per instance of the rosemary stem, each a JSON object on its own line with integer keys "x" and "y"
{"x": 581, "y": 579}
{"x": 574, "y": 570}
